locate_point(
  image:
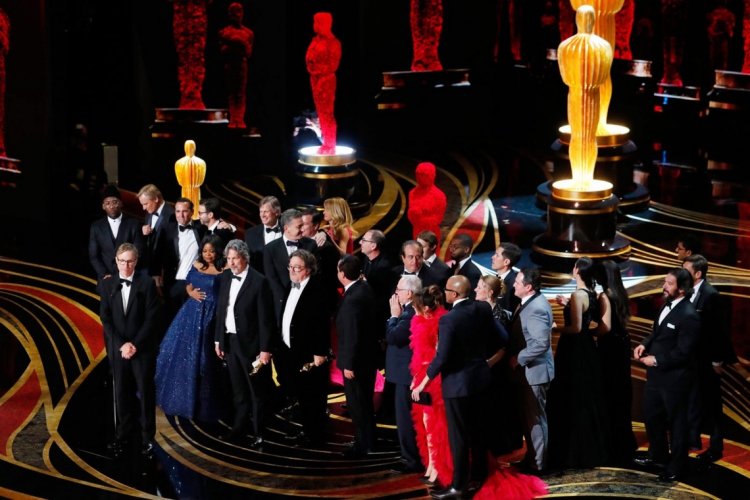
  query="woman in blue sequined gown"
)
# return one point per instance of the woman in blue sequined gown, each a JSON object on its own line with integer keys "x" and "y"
{"x": 190, "y": 381}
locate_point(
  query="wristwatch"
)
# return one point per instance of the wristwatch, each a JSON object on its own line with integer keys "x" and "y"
{"x": 655, "y": 363}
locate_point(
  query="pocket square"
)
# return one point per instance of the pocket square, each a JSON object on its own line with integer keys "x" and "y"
{"x": 670, "y": 325}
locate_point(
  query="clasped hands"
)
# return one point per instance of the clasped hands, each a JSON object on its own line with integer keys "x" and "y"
{"x": 127, "y": 350}
{"x": 638, "y": 355}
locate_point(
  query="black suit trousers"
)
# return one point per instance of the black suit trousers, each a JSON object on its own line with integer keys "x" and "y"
{"x": 312, "y": 390}
{"x": 250, "y": 394}
{"x": 665, "y": 411}
{"x": 407, "y": 436}
{"x": 466, "y": 434}
{"x": 705, "y": 408}
{"x": 284, "y": 362}
{"x": 359, "y": 392}
{"x": 136, "y": 373}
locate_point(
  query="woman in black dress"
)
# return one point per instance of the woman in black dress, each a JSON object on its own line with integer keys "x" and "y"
{"x": 615, "y": 353}
{"x": 578, "y": 426}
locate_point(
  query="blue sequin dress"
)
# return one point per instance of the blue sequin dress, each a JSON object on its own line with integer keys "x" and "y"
{"x": 190, "y": 381}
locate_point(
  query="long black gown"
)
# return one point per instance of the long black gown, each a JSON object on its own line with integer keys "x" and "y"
{"x": 576, "y": 406}
{"x": 615, "y": 353}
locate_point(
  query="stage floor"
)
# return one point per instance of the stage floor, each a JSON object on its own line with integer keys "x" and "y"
{"x": 55, "y": 399}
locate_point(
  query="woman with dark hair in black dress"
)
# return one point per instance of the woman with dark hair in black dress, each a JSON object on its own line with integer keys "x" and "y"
{"x": 615, "y": 353}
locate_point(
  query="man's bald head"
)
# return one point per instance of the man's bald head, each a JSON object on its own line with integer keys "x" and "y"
{"x": 459, "y": 285}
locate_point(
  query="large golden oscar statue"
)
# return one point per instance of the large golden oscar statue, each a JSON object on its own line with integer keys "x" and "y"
{"x": 191, "y": 172}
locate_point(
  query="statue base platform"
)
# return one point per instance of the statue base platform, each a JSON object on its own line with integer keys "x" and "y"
{"x": 731, "y": 92}
{"x": 615, "y": 163}
{"x": 170, "y": 122}
{"x": 402, "y": 89}
{"x": 322, "y": 176}
{"x": 681, "y": 103}
{"x": 10, "y": 173}
{"x": 580, "y": 224}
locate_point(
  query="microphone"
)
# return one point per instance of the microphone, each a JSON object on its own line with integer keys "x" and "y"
{"x": 119, "y": 287}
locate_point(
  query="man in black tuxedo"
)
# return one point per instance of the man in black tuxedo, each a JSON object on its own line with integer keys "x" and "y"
{"x": 328, "y": 255}
{"x": 505, "y": 257}
{"x": 159, "y": 215}
{"x": 460, "y": 248}
{"x": 178, "y": 249}
{"x": 469, "y": 343}
{"x": 397, "y": 360}
{"x": 209, "y": 213}
{"x": 413, "y": 264}
{"x": 276, "y": 255}
{"x": 108, "y": 233}
{"x": 714, "y": 350}
{"x": 354, "y": 324}
{"x": 306, "y": 338}
{"x": 377, "y": 271}
{"x": 429, "y": 242}
{"x": 245, "y": 335}
{"x": 257, "y": 237}
{"x": 128, "y": 311}
{"x": 668, "y": 352}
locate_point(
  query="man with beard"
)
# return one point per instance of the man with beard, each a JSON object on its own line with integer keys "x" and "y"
{"x": 209, "y": 213}
{"x": 668, "y": 355}
{"x": 460, "y": 249}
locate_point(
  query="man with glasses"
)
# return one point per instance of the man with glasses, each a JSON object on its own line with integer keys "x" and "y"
{"x": 413, "y": 265}
{"x": 306, "y": 338}
{"x": 209, "y": 213}
{"x": 128, "y": 310}
{"x": 108, "y": 233}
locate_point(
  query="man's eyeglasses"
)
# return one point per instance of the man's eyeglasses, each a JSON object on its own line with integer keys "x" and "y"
{"x": 449, "y": 290}
{"x": 362, "y": 240}
{"x": 112, "y": 203}
{"x": 126, "y": 262}
{"x": 202, "y": 213}
{"x": 296, "y": 269}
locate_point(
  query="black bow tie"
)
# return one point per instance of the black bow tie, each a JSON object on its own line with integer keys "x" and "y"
{"x": 124, "y": 281}
{"x": 669, "y": 305}
{"x": 295, "y": 285}
{"x": 407, "y": 273}
{"x": 236, "y": 277}
{"x": 274, "y": 229}
{"x": 185, "y": 228}
{"x": 291, "y": 243}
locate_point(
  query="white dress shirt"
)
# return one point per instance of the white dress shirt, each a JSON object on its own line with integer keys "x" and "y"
{"x": 527, "y": 298}
{"x": 505, "y": 274}
{"x": 114, "y": 224}
{"x": 461, "y": 264}
{"x": 155, "y": 216}
{"x": 291, "y": 304}
{"x": 668, "y": 310}
{"x": 273, "y": 235}
{"x": 431, "y": 259}
{"x": 347, "y": 287}
{"x": 695, "y": 291}
{"x": 455, "y": 303}
{"x": 234, "y": 289}
{"x": 289, "y": 249}
{"x": 188, "y": 252}
{"x": 125, "y": 292}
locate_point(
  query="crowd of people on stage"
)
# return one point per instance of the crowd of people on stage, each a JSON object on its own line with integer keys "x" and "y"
{"x": 192, "y": 314}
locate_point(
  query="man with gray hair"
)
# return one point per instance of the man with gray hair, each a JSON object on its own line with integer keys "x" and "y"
{"x": 397, "y": 360}
{"x": 257, "y": 237}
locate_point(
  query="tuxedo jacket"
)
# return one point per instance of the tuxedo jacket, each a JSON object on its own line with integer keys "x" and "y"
{"x": 473, "y": 273}
{"x": 356, "y": 328}
{"x": 441, "y": 268}
{"x": 714, "y": 343}
{"x": 531, "y": 340}
{"x": 226, "y": 235}
{"x": 509, "y": 301}
{"x": 256, "y": 242}
{"x": 398, "y": 353}
{"x": 673, "y": 342}
{"x": 253, "y": 314}
{"x": 428, "y": 276}
{"x": 139, "y": 323}
{"x": 169, "y": 246}
{"x": 467, "y": 336}
{"x": 153, "y": 240}
{"x": 310, "y": 328}
{"x": 103, "y": 245}
{"x": 275, "y": 262}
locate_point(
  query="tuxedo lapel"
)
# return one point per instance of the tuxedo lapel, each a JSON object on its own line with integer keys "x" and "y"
{"x": 523, "y": 306}
{"x": 245, "y": 285}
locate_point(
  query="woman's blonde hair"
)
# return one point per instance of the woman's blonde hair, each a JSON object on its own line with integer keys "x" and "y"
{"x": 340, "y": 215}
{"x": 495, "y": 284}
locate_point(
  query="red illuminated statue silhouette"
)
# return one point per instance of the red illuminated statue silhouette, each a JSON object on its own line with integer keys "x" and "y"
{"x": 426, "y": 202}
{"x": 4, "y": 45}
{"x": 746, "y": 37}
{"x": 426, "y": 18}
{"x": 623, "y": 29}
{"x": 674, "y": 14}
{"x": 322, "y": 58}
{"x": 567, "y": 18}
{"x": 720, "y": 29}
{"x": 189, "y": 23}
{"x": 236, "y": 43}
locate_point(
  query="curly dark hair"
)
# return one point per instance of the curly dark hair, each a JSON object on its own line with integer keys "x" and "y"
{"x": 218, "y": 245}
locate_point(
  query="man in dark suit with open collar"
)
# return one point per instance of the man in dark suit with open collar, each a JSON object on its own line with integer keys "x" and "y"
{"x": 460, "y": 248}
{"x": 429, "y": 242}
{"x": 108, "y": 233}
{"x": 505, "y": 257}
{"x": 306, "y": 338}
{"x": 159, "y": 214}
{"x": 397, "y": 360}
{"x": 668, "y": 354}
{"x": 470, "y": 342}
{"x": 257, "y": 237}
{"x": 356, "y": 334}
{"x": 128, "y": 311}
{"x": 276, "y": 255}
{"x": 246, "y": 333}
{"x": 705, "y": 406}
{"x": 413, "y": 264}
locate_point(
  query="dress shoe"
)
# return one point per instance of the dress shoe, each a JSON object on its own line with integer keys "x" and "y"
{"x": 350, "y": 444}
{"x": 295, "y": 436}
{"x": 355, "y": 452}
{"x": 709, "y": 456}
{"x": 666, "y": 477}
{"x": 257, "y": 444}
{"x": 426, "y": 481}
{"x": 117, "y": 444}
{"x": 402, "y": 468}
{"x": 289, "y": 407}
{"x": 147, "y": 448}
{"x": 449, "y": 492}
{"x": 647, "y": 462}
{"x": 695, "y": 445}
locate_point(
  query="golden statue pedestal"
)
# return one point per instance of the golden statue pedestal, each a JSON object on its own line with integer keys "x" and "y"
{"x": 581, "y": 224}
{"x": 320, "y": 176}
{"x": 615, "y": 162}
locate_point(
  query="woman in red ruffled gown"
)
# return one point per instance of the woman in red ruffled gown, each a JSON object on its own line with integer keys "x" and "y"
{"x": 430, "y": 421}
